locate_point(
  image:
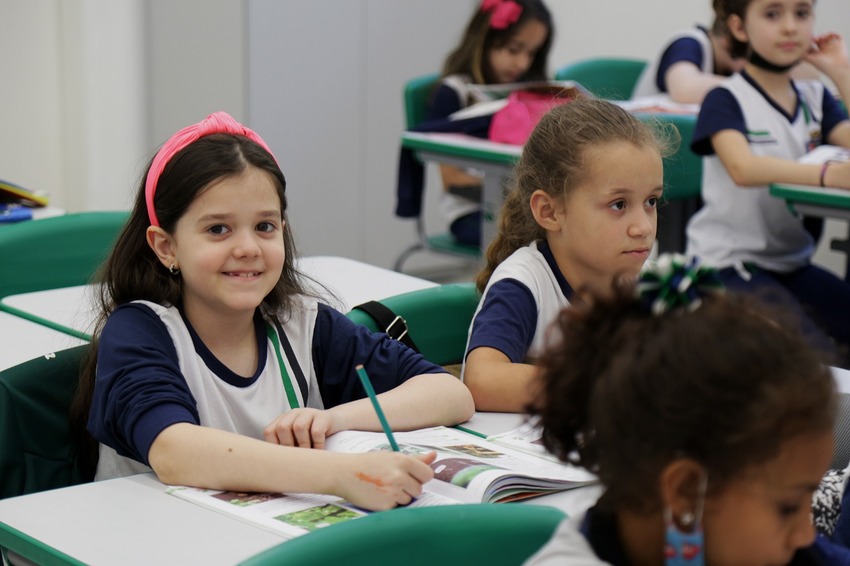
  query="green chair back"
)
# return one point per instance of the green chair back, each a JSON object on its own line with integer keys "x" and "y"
{"x": 438, "y": 319}
{"x": 608, "y": 78}
{"x": 501, "y": 534}
{"x": 683, "y": 169}
{"x": 36, "y": 449}
{"x": 55, "y": 252}
{"x": 417, "y": 98}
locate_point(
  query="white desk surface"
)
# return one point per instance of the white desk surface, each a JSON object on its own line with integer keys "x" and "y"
{"x": 133, "y": 521}
{"x": 22, "y": 340}
{"x": 351, "y": 282}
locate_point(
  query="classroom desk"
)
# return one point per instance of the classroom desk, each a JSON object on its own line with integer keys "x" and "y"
{"x": 72, "y": 309}
{"x": 132, "y": 520}
{"x": 823, "y": 202}
{"x": 495, "y": 160}
{"x": 682, "y": 171}
{"x": 22, "y": 340}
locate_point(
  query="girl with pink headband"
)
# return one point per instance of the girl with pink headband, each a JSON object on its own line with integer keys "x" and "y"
{"x": 505, "y": 41}
{"x": 212, "y": 364}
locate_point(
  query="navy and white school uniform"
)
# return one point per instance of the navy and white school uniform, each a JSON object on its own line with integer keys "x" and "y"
{"x": 153, "y": 371}
{"x": 752, "y": 237}
{"x": 691, "y": 45}
{"x": 524, "y": 295}
{"x": 454, "y": 94}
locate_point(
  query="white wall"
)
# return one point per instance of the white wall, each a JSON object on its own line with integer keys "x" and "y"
{"x": 92, "y": 87}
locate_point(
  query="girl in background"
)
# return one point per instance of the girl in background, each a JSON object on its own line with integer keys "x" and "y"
{"x": 751, "y": 132}
{"x": 582, "y": 210}
{"x": 507, "y": 41}
{"x": 709, "y": 425}
{"x": 213, "y": 365}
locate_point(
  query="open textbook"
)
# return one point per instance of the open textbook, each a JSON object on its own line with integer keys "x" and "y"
{"x": 468, "y": 469}
{"x": 826, "y": 152}
{"x": 495, "y": 97}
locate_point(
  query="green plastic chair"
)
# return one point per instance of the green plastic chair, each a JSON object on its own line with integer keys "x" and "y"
{"x": 417, "y": 98}
{"x": 36, "y": 449}
{"x": 55, "y": 252}
{"x": 502, "y": 534}
{"x": 682, "y": 183}
{"x": 605, "y": 77}
{"x": 438, "y": 319}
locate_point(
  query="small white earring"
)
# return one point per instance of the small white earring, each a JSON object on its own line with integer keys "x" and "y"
{"x": 173, "y": 269}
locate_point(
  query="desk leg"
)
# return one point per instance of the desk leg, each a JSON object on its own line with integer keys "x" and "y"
{"x": 842, "y": 246}
{"x": 497, "y": 182}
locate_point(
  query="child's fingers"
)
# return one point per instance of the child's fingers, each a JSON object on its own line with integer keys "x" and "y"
{"x": 278, "y": 432}
{"x": 422, "y": 471}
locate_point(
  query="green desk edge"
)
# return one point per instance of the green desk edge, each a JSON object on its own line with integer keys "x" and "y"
{"x": 15, "y": 541}
{"x": 794, "y": 194}
{"x": 455, "y": 151}
{"x": 44, "y": 322}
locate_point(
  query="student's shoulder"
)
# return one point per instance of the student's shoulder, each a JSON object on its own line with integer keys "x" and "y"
{"x": 567, "y": 546}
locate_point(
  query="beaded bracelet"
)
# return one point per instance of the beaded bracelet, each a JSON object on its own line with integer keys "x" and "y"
{"x": 823, "y": 169}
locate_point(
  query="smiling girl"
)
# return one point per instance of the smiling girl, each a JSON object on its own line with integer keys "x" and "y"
{"x": 214, "y": 367}
{"x": 582, "y": 211}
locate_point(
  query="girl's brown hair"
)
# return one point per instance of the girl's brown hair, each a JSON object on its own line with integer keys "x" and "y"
{"x": 625, "y": 392}
{"x": 722, "y": 10}
{"x": 552, "y": 161}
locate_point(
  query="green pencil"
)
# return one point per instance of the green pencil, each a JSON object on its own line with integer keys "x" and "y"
{"x": 367, "y": 385}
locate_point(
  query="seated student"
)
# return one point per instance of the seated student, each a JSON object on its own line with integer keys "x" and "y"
{"x": 691, "y": 63}
{"x": 215, "y": 368}
{"x": 695, "y": 60}
{"x": 505, "y": 41}
{"x": 582, "y": 210}
{"x": 751, "y": 132}
{"x": 709, "y": 426}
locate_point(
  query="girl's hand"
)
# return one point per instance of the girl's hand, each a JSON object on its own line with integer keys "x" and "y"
{"x": 305, "y": 428}
{"x": 382, "y": 480}
{"x": 828, "y": 54}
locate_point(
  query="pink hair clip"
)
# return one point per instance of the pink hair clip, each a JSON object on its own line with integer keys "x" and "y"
{"x": 504, "y": 12}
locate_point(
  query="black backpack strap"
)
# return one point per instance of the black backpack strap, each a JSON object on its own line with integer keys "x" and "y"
{"x": 388, "y": 321}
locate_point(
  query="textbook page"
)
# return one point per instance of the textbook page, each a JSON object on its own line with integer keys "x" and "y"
{"x": 471, "y": 469}
{"x": 290, "y": 515}
{"x": 528, "y": 438}
{"x": 826, "y": 152}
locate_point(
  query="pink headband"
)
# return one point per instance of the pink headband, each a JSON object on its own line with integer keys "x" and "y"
{"x": 504, "y": 12}
{"x": 218, "y": 123}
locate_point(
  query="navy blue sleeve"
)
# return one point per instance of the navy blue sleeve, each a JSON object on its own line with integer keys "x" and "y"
{"x": 339, "y": 345}
{"x": 826, "y": 552}
{"x": 444, "y": 103}
{"x": 833, "y": 114}
{"x": 139, "y": 390}
{"x": 507, "y": 320}
{"x": 683, "y": 49}
{"x": 719, "y": 111}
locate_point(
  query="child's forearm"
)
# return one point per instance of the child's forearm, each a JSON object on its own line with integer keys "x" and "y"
{"x": 421, "y": 401}
{"x": 501, "y": 386}
{"x": 187, "y": 454}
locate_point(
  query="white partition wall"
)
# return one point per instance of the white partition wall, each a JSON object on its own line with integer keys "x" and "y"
{"x": 91, "y": 87}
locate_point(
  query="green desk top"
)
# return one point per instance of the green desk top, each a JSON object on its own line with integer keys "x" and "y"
{"x": 465, "y": 147}
{"x": 820, "y": 196}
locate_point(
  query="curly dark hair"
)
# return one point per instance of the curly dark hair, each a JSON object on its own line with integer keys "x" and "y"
{"x": 624, "y": 392}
